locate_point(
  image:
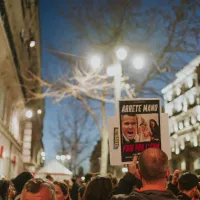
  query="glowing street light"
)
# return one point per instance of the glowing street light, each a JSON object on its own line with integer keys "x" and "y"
{"x": 95, "y": 62}
{"x": 62, "y": 157}
{"x": 29, "y": 114}
{"x": 32, "y": 43}
{"x": 43, "y": 154}
{"x": 124, "y": 169}
{"x": 138, "y": 62}
{"x": 68, "y": 157}
{"x": 39, "y": 111}
{"x": 57, "y": 157}
{"x": 121, "y": 53}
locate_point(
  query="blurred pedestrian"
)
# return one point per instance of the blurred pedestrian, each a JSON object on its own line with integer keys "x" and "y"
{"x": 62, "y": 191}
{"x": 50, "y": 178}
{"x": 88, "y": 177}
{"x": 187, "y": 184}
{"x": 19, "y": 183}
{"x": 5, "y": 187}
{"x": 98, "y": 188}
{"x": 75, "y": 189}
{"x": 38, "y": 189}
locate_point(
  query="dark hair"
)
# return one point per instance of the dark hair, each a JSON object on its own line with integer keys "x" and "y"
{"x": 187, "y": 181}
{"x": 88, "y": 177}
{"x": 98, "y": 188}
{"x": 48, "y": 176}
{"x": 21, "y": 180}
{"x": 114, "y": 181}
{"x": 4, "y": 189}
{"x": 73, "y": 180}
{"x": 153, "y": 164}
{"x": 152, "y": 120}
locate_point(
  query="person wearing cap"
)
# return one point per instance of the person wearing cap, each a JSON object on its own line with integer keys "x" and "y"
{"x": 187, "y": 184}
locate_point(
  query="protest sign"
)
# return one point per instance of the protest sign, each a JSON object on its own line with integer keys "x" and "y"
{"x": 139, "y": 126}
{"x": 115, "y": 141}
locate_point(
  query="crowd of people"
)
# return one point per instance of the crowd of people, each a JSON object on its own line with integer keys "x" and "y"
{"x": 147, "y": 179}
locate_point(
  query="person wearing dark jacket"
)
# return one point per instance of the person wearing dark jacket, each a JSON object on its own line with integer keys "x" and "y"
{"x": 74, "y": 190}
{"x": 187, "y": 184}
{"x": 153, "y": 172}
{"x": 184, "y": 186}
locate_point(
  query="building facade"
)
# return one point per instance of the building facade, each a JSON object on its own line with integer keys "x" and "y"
{"x": 20, "y": 137}
{"x": 182, "y": 103}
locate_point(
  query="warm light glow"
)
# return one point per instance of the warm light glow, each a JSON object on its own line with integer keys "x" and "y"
{"x": 124, "y": 169}
{"x": 180, "y": 125}
{"x": 68, "y": 157}
{"x": 193, "y": 120}
{"x": 57, "y": 157}
{"x": 114, "y": 70}
{"x": 32, "y": 43}
{"x": 183, "y": 165}
{"x": 95, "y": 62}
{"x": 187, "y": 138}
{"x": 138, "y": 62}
{"x": 29, "y": 114}
{"x": 43, "y": 154}
{"x": 173, "y": 149}
{"x": 121, "y": 53}
{"x": 83, "y": 178}
{"x": 43, "y": 158}
{"x": 62, "y": 157}
{"x": 175, "y": 136}
{"x": 177, "y": 151}
{"x": 195, "y": 142}
{"x": 187, "y": 124}
{"x": 39, "y": 111}
{"x": 182, "y": 147}
{"x": 191, "y": 99}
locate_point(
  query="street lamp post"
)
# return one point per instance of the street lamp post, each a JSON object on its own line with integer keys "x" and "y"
{"x": 114, "y": 70}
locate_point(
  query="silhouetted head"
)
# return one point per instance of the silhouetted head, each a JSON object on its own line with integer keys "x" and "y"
{"x": 21, "y": 180}
{"x": 98, "y": 188}
{"x": 4, "y": 189}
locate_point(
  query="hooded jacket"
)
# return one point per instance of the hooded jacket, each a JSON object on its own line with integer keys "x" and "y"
{"x": 146, "y": 195}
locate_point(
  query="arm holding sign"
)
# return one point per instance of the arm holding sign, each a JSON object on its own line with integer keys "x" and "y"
{"x": 173, "y": 185}
{"x": 129, "y": 181}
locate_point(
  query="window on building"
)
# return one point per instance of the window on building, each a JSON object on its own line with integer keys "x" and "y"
{"x": 183, "y": 165}
{"x": 197, "y": 164}
{"x": 15, "y": 125}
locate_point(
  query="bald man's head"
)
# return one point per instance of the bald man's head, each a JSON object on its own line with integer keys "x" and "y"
{"x": 153, "y": 164}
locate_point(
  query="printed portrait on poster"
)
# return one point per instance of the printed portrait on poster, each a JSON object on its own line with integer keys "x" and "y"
{"x": 139, "y": 126}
